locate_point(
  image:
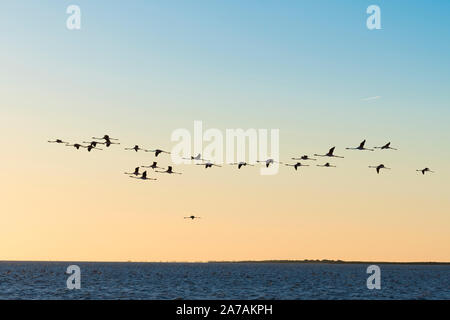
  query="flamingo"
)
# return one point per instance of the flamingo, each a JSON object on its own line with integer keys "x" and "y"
{"x": 241, "y": 164}
{"x": 157, "y": 151}
{"x": 192, "y": 217}
{"x": 169, "y": 170}
{"x": 386, "y": 146}
{"x": 57, "y": 141}
{"x": 136, "y": 172}
{"x": 153, "y": 166}
{"x": 76, "y": 146}
{"x": 143, "y": 177}
{"x": 208, "y": 165}
{"x": 326, "y": 165}
{"x": 93, "y": 143}
{"x": 105, "y": 137}
{"x": 136, "y": 148}
{"x": 379, "y": 167}
{"x": 298, "y": 164}
{"x": 268, "y": 162}
{"x": 197, "y": 157}
{"x": 425, "y": 170}
{"x": 305, "y": 157}
{"x": 360, "y": 147}
{"x": 107, "y": 143}
{"x": 90, "y": 147}
{"x": 329, "y": 154}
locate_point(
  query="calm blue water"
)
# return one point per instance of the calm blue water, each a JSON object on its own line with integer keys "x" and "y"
{"x": 47, "y": 280}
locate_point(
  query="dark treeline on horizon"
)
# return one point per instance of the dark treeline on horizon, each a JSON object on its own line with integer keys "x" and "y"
{"x": 325, "y": 261}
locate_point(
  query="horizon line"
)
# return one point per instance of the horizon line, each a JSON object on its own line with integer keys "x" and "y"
{"x": 321, "y": 261}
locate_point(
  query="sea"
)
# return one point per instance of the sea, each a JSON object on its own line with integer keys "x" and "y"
{"x": 243, "y": 281}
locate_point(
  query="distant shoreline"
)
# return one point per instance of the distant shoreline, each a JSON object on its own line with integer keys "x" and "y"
{"x": 332, "y": 262}
{"x": 306, "y": 261}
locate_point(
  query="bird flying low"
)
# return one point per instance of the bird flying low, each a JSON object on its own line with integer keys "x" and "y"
{"x": 192, "y": 217}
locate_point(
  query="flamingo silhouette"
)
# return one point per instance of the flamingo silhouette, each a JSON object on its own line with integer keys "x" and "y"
{"x": 241, "y": 164}
{"x": 360, "y": 147}
{"x": 208, "y": 165}
{"x": 136, "y": 148}
{"x": 153, "y": 166}
{"x": 157, "y": 151}
{"x": 425, "y": 170}
{"x": 93, "y": 143}
{"x": 169, "y": 170}
{"x": 326, "y": 165}
{"x": 105, "y": 137}
{"x": 107, "y": 143}
{"x": 90, "y": 147}
{"x": 75, "y": 145}
{"x": 143, "y": 177}
{"x": 57, "y": 141}
{"x": 268, "y": 162}
{"x": 386, "y": 146}
{"x": 329, "y": 154}
{"x": 192, "y": 217}
{"x": 197, "y": 157}
{"x": 305, "y": 157}
{"x": 136, "y": 172}
{"x": 298, "y": 164}
{"x": 379, "y": 167}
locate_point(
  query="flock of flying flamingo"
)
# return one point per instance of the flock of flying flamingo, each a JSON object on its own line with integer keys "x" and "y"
{"x": 136, "y": 174}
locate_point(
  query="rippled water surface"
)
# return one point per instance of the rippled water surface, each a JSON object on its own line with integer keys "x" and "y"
{"x": 47, "y": 280}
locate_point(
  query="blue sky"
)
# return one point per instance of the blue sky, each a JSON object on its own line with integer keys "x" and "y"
{"x": 288, "y": 65}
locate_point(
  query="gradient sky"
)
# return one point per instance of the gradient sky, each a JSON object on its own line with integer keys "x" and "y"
{"x": 138, "y": 70}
